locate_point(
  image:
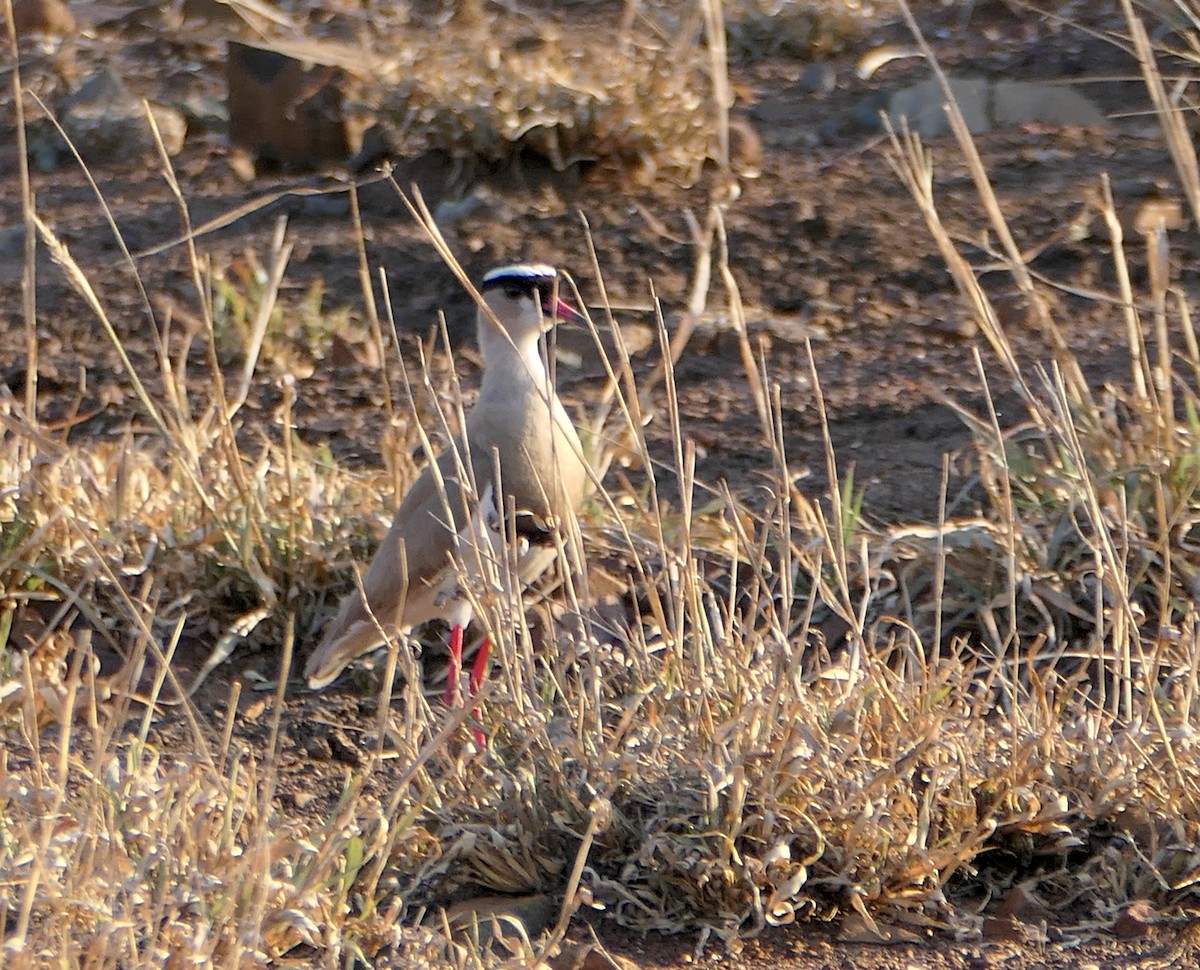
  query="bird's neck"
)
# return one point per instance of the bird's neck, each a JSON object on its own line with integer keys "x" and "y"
{"x": 508, "y": 361}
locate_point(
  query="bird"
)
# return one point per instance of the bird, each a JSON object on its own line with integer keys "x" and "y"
{"x": 519, "y": 451}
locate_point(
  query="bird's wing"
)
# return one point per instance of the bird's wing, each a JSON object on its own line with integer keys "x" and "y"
{"x": 477, "y": 555}
{"x": 400, "y": 584}
{"x": 482, "y": 567}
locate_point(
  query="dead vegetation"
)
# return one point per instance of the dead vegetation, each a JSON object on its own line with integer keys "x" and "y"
{"x": 776, "y": 713}
{"x": 487, "y": 90}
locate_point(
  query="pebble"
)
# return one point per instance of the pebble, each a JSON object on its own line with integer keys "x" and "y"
{"x": 819, "y": 78}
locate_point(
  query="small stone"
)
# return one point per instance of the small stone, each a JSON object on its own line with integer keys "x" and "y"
{"x": 819, "y": 78}
{"x": 302, "y": 799}
{"x": 172, "y": 128}
{"x": 317, "y": 748}
{"x": 1136, "y": 920}
{"x": 957, "y": 328}
{"x": 204, "y": 112}
{"x": 343, "y": 749}
{"x": 241, "y": 163}
{"x": 745, "y": 148}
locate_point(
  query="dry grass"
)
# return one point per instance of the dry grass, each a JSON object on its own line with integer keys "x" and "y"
{"x": 787, "y": 716}
{"x": 646, "y": 104}
{"x": 486, "y": 87}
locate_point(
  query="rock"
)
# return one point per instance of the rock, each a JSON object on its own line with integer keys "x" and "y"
{"x": 492, "y": 913}
{"x": 589, "y": 957}
{"x": 1022, "y": 904}
{"x": 1009, "y": 929}
{"x": 819, "y": 78}
{"x": 204, "y": 113}
{"x": 12, "y": 243}
{"x": 745, "y": 148}
{"x": 921, "y": 104}
{"x": 107, "y": 123}
{"x": 52, "y": 17}
{"x": 860, "y": 928}
{"x": 1019, "y": 918}
{"x": 1022, "y": 102}
{"x": 172, "y": 128}
{"x": 286, "y": 111}
{"x": 1137, "y": 919}
{"x": 1156, "y": 213}
{"x": 986, "y": 105}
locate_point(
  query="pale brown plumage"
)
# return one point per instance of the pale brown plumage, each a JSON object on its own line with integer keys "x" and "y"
{"x": 516, "y": 417}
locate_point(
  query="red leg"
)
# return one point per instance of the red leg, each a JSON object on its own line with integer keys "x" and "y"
{"x": 455, "y": 666}
{"x": 480, "y": 666}
{"x": 478, "y": 671}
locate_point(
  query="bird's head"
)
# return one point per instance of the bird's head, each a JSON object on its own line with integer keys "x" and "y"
{"x": 524, "y": 299}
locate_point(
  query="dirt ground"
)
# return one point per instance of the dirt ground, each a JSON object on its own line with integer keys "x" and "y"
{"x": 825, "y": 245}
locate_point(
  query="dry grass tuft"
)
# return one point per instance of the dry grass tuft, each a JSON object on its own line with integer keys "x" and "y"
{"x": 810, "y": 31}
{"x": 489, "y": 86}
{"x": 644, "y": 104}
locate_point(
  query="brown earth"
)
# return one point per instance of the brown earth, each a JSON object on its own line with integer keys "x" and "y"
{"x": 826, "y": 247}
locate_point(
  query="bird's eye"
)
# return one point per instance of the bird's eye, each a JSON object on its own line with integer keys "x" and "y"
{"x": 515, "y": 291}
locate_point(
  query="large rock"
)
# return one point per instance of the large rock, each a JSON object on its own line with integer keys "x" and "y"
{"x": 286, "y": 110}
{"x": 107, "y": 123}
{"x": 987, "y": 105}
{"x": 50, "y": 17}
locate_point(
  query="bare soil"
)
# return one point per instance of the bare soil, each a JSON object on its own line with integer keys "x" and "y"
{"x": 827, "y": 249}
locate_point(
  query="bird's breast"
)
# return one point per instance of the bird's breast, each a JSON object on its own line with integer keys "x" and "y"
{"x": 538, "y": 450}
